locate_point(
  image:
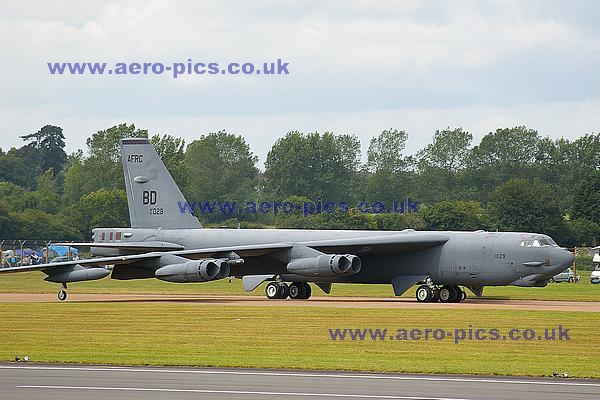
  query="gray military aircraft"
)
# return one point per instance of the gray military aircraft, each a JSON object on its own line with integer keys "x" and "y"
{"x": 172, "y": 246}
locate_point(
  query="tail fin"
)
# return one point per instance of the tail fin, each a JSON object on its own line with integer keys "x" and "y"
{"x": 152, "y": 195}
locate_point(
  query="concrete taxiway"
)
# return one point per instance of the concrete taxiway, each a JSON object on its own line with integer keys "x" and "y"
{"x": 19, "y": 381}
{"x": 320, "y": 301}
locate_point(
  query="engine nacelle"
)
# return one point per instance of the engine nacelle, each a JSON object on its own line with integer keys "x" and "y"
{"x": 326, "y": 265}
{"x": 194, "y": 271}
{"x": 78, "y": 274}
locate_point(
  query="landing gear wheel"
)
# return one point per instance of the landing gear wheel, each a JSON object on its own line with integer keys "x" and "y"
{"x": 424, "y": 294}
{"x": 284, "y": 290}
{"x": 295, "y": 290}
{"x": 306, "y": 291}
{"x": 62, "y": 295}
{"x": 458, "y": 294}
{"x": 273, "y": 290}
{"x": 436, "y": 295}
{"x": 447, "y": 294}
{"x": 464, "y": 295}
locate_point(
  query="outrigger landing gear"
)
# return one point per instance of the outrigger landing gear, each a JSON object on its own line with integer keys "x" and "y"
{"x": 446, "y": 294}
{"x": 62, "y": 295}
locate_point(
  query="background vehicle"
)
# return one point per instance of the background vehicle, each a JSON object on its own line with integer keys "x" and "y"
{"x": 595, "y": 276}
{"x": 566, "y": 276}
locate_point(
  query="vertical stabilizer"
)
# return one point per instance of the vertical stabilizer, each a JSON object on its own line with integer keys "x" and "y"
{"x": 152, "y": 195}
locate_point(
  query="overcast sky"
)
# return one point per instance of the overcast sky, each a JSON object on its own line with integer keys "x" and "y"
{"x": 355, "y": 67}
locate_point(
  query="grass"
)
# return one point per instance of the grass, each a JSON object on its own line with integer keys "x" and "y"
{"x": 32, "y": 282}
{"x": 290, "y": 337}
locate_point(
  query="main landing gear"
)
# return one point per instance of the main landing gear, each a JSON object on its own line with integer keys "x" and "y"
{"x": 62, "y": 295}
{"x": 295, "y": 291}
{"x": 445, "y": 294}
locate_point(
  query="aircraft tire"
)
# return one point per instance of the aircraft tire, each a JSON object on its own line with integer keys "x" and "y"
{"x": 424, "y": 294}
{"x": 285, "y": 290}
{"x": 62, "y": 295}
{"x": 295, "y": 290}
{"x": 463, "y": 295}
{"x": 447, "y": 294}
{"x": 273, "y": 290}
{"x": 306, "y": 291}
{"x": 458, "y": 294}
{"x": 435, "y": 297}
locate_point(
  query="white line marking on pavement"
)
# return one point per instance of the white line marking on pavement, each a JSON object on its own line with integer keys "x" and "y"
{"x": 507, "y": 381}
{"x": 242, "y": 392}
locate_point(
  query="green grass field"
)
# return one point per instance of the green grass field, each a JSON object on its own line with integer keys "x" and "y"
{"x": 32, "y": 282}
{"x": 291, "y": 337}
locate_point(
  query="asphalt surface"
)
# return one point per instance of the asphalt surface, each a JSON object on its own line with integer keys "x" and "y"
{"x": 21, "y": 381}
{"x": 318, "y": 301}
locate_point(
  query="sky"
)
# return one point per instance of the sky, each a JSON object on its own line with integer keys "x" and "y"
{"x": 355, "y": 67}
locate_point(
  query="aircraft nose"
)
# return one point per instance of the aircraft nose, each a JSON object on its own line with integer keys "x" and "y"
{"x": 562, "y": 258}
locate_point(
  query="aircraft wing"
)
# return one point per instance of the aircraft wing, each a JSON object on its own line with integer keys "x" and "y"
{"x": 398, "y": 243}
{"x": 242, "y": 251}
{"x": 128, "y": 246}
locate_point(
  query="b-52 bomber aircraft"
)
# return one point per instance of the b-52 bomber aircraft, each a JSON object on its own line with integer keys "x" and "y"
{"x": 172, "y": 246}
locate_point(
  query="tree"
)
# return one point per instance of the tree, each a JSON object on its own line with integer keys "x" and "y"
{"x": 102, "y": 169}
{"x": 440, "y": 164}
{"x": 45, "y": 195}
{"x": 519, "y": 205}
{"x": 387, "y": 167}
{"x": 312, "y": 165}
{"x": 6, "y": 225}
{"x": 221, "y": 167}
{"x": 398, "y": 222}
{"x": 49, "y": 146}
{"x": 102, "y": 208}
{"x": 335, "y": 220}
{"x": 39, "y": 225}
{"x": 12, "y": 169}
{"x": 454, "y": 216}
{"x": 15, "y": 197}
{"x": 449, "y": 151}
{"x": 586, "y": 198}
{"x": 502, "y": 155}
{"x": 103, "y": 165}
{"x": 172, "y": 152}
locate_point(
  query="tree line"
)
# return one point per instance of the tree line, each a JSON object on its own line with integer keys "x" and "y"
{"x": 514, "y": 179}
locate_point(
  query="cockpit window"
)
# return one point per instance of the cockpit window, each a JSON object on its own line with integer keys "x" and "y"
{"x": 540, "y": 242}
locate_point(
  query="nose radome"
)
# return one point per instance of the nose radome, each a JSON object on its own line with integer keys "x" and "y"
{"x": 563, "y": 257}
